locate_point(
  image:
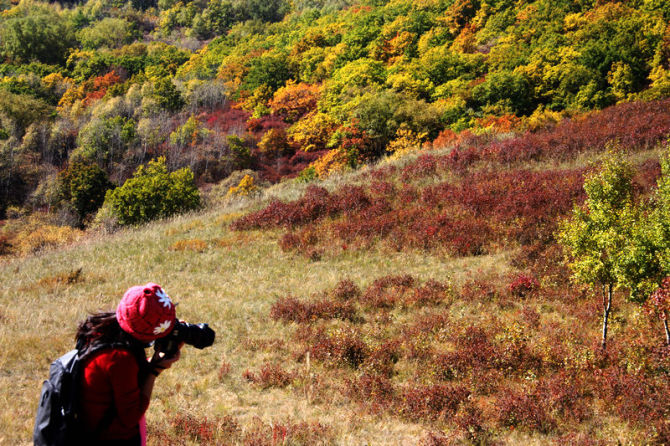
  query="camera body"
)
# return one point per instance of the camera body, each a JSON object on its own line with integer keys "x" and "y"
{"x": 197, "y": 335}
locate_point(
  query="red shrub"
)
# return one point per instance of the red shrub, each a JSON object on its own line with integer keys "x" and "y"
{"x": 634, "y": 397}
{"x": 530, "y": 317}
{"x": 388, "y": 291}
{"x": 198, "y": 428}
{"x": 474, "y": 352}
{"x": 658, "y": 304}
{"x": 568, "y": 396}
{"x": 425, "y": 165}
{"x": 227, "y": 120}
{"x": 290, "y": 309}
{"x": 470, "y": 421}
{"x": 382, "y": 173}
{"x": 259, "y": 433}
{"x": 435, "y": 439}
{"x": 418, "y": 402}
{"x": 416, "y": 337}
{"x": 523, "y": 409}
{"x": 523, "y": 285}
{"x": 635, "y": 125}
{"x": 382, "y": 188}
{"x": 346, "y": 290}
{"x": 343, "y": 347}
{"x": 478, "y": 290}
{"x": 304, "y": 241}
{"x": 431, "y": 293}
{"x": 376, "y": 390}
{"x": 382, "y": 359}
{"x": 270, "y": 375}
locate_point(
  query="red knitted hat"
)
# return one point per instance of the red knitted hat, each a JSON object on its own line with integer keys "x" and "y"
{"x": 146, "y": 312}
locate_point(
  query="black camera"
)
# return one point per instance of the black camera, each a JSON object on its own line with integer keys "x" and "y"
{"x": 197, "y": 335}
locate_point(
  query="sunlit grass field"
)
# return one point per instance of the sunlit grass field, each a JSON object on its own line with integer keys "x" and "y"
{"x": 231, "y": 285}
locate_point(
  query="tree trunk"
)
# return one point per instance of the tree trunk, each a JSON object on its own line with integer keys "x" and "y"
{"x": 667, "y": 332}
{"x": 607, "y": 305}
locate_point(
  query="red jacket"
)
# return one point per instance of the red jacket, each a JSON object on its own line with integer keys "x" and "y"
{"x": 111, "y": 378}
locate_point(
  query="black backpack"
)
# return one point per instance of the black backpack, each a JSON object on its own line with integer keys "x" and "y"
{"x": 57, "y": 422}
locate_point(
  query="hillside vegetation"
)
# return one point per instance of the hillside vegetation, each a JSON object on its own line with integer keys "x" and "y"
{"x": 91, "y": 91}
{"x": 419, "y": 301}
{"x": 429, "y": 223}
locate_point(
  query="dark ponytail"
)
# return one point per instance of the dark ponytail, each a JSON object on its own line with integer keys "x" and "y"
{"x": 103, "y": 328}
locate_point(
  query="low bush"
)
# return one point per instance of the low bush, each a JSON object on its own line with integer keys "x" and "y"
{"x": 32, "y": 240}
{"x": 289, "y": 309}
{"x": 343, "y": 347}
{"x": 523, "y": 285}
{"x": 525, "y": 410}
{"x": 196, "y": 245}
{"x": 153, "y": 193}
{"x": 376, "y": 390}
{"x": 418, "y": 402}
{"x": 270, "y": 375}
{"x": 289, "y": 432}
{"x": 346, "y": 290}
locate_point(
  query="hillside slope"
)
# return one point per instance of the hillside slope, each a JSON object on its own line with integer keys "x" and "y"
{"x": 299, "y": 88}
{"x": 419, "y": 301}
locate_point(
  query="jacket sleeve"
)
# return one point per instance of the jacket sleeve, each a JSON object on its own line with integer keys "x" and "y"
{"x": 129, "y": 402}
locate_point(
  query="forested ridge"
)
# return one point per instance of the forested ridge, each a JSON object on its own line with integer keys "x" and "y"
{"x": 91, "y": 91}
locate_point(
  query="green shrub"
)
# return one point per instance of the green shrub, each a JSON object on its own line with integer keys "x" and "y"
{"x": 84, "y": 186}
{"x": 153, "y": 193}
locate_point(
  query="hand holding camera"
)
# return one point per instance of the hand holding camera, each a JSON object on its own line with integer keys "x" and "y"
{"x": 197, "y": 335}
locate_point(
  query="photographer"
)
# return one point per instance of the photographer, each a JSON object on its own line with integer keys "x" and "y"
{"x": 117, "y": 378}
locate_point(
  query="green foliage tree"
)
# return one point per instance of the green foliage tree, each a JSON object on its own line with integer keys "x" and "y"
{"x": 167, "y": 95}
{"x": 41, "y": 35}
{"x": 271, "y": 70}
{"x": 192, "y": 132}
{"x": 510, "y": 90}
{"x": 240, "y": 152}
{"x": 24, "y": 110}
{"x": 263, "y": 10}
{"x": 109, "y": 32}
{"x": 215, "y": 19}
{"x": 597, "y": 234}
{"x": 153, "y": 193}
{"x": 84, "y": 185}
{"x": 105, "y": 140}
{"x": 660, "y": 218}
{"x": 380, "y": 115}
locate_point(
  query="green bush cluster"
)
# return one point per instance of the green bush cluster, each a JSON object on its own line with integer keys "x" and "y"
{"x": 153, "y": 193}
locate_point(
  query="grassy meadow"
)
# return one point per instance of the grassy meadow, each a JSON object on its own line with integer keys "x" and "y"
{"x": 230, "y": 283}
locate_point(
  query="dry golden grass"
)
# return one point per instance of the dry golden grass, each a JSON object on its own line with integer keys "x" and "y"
{"x": 230, "y": 283}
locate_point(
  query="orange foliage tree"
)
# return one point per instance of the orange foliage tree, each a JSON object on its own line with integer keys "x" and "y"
{"x": 294, "y": 100}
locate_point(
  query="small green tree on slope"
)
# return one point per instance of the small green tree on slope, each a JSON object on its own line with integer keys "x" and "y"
{"x": 659, "y": 231}
{"x": 597, "y": 234}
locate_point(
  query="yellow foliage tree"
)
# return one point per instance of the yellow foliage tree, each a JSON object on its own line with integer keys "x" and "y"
{"x": 246, "y": 187}
{"x": 334, "y": 161}
{"x": 312, "y": 132}
{"x": 406, "y": 141}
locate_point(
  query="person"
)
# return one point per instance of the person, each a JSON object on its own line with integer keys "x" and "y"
{"x": 117, "y": 378}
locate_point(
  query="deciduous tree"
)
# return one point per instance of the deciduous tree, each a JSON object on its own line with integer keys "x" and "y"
{"x": 598, "y": 232}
